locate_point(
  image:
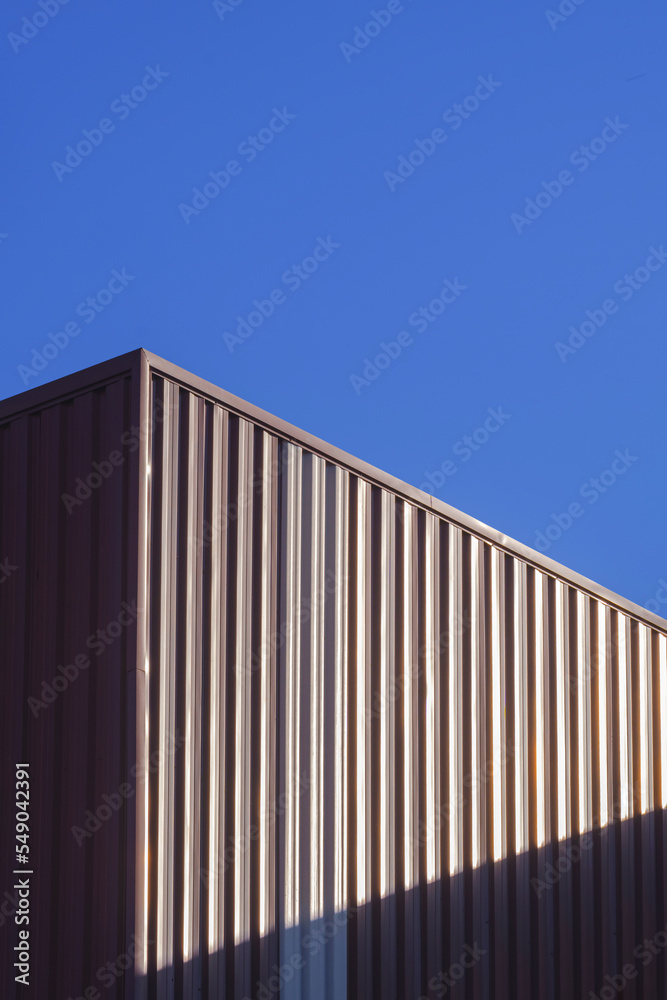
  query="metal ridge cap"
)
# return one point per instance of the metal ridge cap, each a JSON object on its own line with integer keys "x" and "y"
{"x": 50, "y": 393}
{"x": 378, "y": 476}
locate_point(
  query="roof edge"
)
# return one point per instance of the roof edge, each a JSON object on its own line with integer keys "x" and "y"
{"x": 140, "y": 361}
{"x": 404, "y": 490}
{"x": 69, "y": 385}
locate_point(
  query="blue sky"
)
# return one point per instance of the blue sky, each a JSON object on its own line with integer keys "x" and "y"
{"x": 334, "y": 129}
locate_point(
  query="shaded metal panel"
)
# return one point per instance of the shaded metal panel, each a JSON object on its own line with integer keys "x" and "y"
{"x": 68, "y": 619}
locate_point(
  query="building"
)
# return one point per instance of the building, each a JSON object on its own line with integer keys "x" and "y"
{"x": 294, "y": 728}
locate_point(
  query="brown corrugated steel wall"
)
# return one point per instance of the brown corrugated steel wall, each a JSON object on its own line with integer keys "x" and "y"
{"x": 388, "y": 755}
{"x": 71, "y": 574}
{"x": 407, "y": 751}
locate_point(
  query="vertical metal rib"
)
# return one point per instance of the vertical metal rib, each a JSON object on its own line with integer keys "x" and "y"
{"x": 562, "y": 709}
{"x": 520, "y": 748}
{"x": 337, "y": 669}
{"x": 584, "y": 749}
{"x": 312, "y": 710}
{"x": 455, "y": 709}
{"x": 216, "y": 531}
{"x": 410, "y": 808}
{"x": 387, "y": 698}
{"x": 498, "y": 706}
{"x": 624, "y": 717}
{"x": 645, "y": 720}
{"x": 541, "y": 710}
{"x": 363, "y": 690}
{"x": 477, "y": 851}
{"x": 243, "y": 653}
{"x": 290, "y": 686}
{"x": 165, "y": 592}
{"x": 266, "y": 786}
{"x": 605, "y": 722}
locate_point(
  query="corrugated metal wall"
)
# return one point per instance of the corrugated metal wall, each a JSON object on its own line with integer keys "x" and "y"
{"x": 388, "y": 752}
{"x": 412, "y": 763}
{"x": 72, "y": 570}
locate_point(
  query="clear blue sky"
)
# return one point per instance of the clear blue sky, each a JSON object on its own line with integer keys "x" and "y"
{"x": 334, "y": 111}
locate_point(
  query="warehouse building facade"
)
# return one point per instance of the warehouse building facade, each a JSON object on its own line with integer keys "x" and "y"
{"x": 297, "y": 729}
